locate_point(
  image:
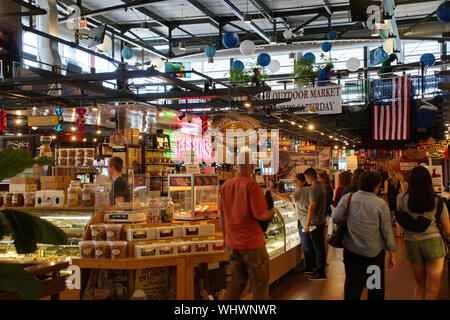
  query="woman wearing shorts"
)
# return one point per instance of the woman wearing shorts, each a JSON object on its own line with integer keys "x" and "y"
{"x": 424, "y": 250}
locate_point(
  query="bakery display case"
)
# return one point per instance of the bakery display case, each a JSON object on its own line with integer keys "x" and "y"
{"x": 71, "y": 221}
{"x": 290, "y": 221}
{"x": 275, "y": 240}
{"x": 195, "y": 196}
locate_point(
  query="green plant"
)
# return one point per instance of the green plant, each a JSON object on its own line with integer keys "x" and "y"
{"x": 245, "y": 76}
{"x": 305, "y": 72}
{"x": 25, "y": 229}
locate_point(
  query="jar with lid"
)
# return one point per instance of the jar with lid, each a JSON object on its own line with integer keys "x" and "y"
{"x": 74, "y": 194}
{"x": 166, "y": 209}
{"x": 17, "y": 200}
{"x": 8, "y": 199}
{"x": 88, "y": 195}
{"x": 102, "y": 196}
{"x": 29, "y": 199}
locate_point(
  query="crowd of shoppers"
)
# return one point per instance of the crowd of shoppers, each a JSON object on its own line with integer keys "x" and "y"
{"x": 366, "y": 202}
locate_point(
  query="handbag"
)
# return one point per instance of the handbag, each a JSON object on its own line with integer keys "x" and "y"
{"x": 339, "y": 229}
{"x": 265, "y": 224}
{"x": 407, "y": 222}
{"x": 439, "y": 208}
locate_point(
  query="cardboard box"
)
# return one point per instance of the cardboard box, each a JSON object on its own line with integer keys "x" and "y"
{"x": 21, "y": 188}
{"x": 22, "y": 180}
{"x": 146, "y": 251}
{"x": 207, "y": 230}
{"x": 54, "y": 186}
{"x": 141, "y": 234}
{"x": 52, "y": 179}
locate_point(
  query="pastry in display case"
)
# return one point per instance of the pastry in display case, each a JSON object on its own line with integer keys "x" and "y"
{"x": 275, "y": 241}
{"x": 72, "y": 222}
{"x": 290, "y": 220}
{"x": 195, "y": 196}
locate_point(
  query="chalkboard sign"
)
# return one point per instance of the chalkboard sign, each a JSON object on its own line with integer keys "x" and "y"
{"x": 19, "y": 143}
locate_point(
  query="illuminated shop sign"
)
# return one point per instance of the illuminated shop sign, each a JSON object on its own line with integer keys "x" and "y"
{"x": 193, "y": 143}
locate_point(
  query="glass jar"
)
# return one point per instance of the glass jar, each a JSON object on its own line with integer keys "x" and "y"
{"x": 29, "y": 199}
{"x": 17, "y": 200}
{"x": 8, "y": 199}
{"x": 102, "y": 196}
{"x": 88, "y": 195}
{"x": 74, "y": 194}
{"x": 153, "y": 213}
{"x": 166, "y": 209}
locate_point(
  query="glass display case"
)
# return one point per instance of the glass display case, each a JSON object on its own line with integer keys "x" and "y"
{"x": 290, "y": 220}
{"x": 275, "y": 240}
{"x": 195, "y": 196}
{"x": 71, "y": 221}
{"x": 282, "y": 234}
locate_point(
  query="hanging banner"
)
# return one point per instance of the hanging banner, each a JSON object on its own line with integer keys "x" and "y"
{"x": 320, "y": 100}
{"x": 435, "y": 150}
{"x": 292, "y": 162}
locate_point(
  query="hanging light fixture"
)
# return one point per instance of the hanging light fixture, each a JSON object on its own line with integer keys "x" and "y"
{"x": 273, "y": 38}
{"x": 182, "y": 45}
{"x": 246, "y": 18}
{"x": 145, "y": 26}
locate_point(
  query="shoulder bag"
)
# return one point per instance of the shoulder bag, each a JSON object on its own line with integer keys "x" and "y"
{"x": 339, "y": 229}
{"x": 439, "y": 208}
{"x": 407, "y": 222}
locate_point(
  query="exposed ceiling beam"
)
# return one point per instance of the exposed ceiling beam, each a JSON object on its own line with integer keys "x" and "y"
{"x": 262, "y": 9}
{"x": 92, "y": 13}
{"x": 307, "y": 22}
{"x": 327, "y": 6}
{"x": 33, "y": 10}
{"x": 240, "y": 15}
{"x": 163, "y": 22}
{"x": 211, "y": 15}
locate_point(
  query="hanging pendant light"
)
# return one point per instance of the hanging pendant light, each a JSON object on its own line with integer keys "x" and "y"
{"x": 182, "y": 46}
{"x": 145, "y": 26}
{"x": 247, "y": 19}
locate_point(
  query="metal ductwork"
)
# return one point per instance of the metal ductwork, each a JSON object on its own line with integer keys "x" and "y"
{"x": 282, "y": 48}
{"x": 48, "y": 50}
{"x": 429, "y": 29}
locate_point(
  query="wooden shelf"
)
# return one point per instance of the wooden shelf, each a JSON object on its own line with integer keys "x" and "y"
{"x": 49, "y": 208}
{"x": 129, "y": 263}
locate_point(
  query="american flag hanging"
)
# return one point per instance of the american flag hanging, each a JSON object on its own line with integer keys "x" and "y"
{"x": 392, "y": 122}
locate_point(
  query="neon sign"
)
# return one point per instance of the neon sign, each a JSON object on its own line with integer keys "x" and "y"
{"x": 198, "y": 144}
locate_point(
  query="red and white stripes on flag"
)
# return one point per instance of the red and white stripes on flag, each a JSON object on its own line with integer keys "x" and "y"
{"x": 392, "y": 122}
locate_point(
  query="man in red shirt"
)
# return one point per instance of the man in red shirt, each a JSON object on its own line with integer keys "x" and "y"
{"x": 242, "y": 206}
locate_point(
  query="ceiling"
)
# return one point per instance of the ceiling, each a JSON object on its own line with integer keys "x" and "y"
{"x": 198, "y": 22}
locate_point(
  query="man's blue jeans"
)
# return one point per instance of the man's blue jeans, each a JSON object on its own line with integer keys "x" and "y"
{"x": 308, "y": 249}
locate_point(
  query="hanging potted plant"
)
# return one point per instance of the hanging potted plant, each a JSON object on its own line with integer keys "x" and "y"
{"x": 305, "y": 72}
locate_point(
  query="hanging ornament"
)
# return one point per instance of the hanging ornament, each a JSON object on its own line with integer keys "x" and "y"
{"x": 309, "y": 57}
{"x": 326, "y": 46}
{"x": 204, "y": 124}
{"x": 287, "y": 34}
{"x": 443, "y": 12}
{"x": 3, "y": 121}
{"x": 157, "y": 63}
{"x": 230, "y": 39}
{"x": 210, "y": 52}
{"x": 81, "y": 119}
{"x": 127, "y": 53}
{"x": 59, "y": 113}
{"x": 237, "y": 65}
{"x": 247, "y": 48}
{"x": 332, "y": 35}
{"x": 428, "y": 59}
{"x": 388, "y": 45}
{"x": 353, "y": 64}
{"x": 34, "y": 111}
{"x": 274, "y": 66}
{"x": 264, "y": 59}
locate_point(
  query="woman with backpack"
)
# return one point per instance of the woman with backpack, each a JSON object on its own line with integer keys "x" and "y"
{"x": 425, "y": 250}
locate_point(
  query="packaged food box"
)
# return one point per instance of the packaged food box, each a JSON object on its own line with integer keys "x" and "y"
{"x": 87, "y": 249}
{"x": 22, "y": 188}
{"x": 169, "y": 232}
{"x": 113, "y": 232}
{"x": 55, "y": 185}
{"x": 141, "y": 234}
{"x": 191, "y": 231}
{"x": 102, "y": 250}
{"x": 207, "y": 230}
{"x": 118, "y": 250}
{"x": 202, "y": 247}
{"x": 167, "y": 249}
{"x": 22, "y": 180}
{"x": 52, "y": 179}
{"x": 217, "y": 245}
{"x": 185, "y": 248}
{"x": 146, "y": 250}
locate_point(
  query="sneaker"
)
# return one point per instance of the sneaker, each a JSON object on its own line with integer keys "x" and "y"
{"x": 316, "y": 276}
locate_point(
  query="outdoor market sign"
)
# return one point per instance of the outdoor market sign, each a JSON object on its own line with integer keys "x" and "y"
{"x": 435, "y": 150}
{"x": 320, "y": 100}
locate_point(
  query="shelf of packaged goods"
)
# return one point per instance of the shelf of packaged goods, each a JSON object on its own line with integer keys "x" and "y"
{"x": 79, "y": 167}
{"x": 81, "y": 209}
{"x": 160, "y": 164}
